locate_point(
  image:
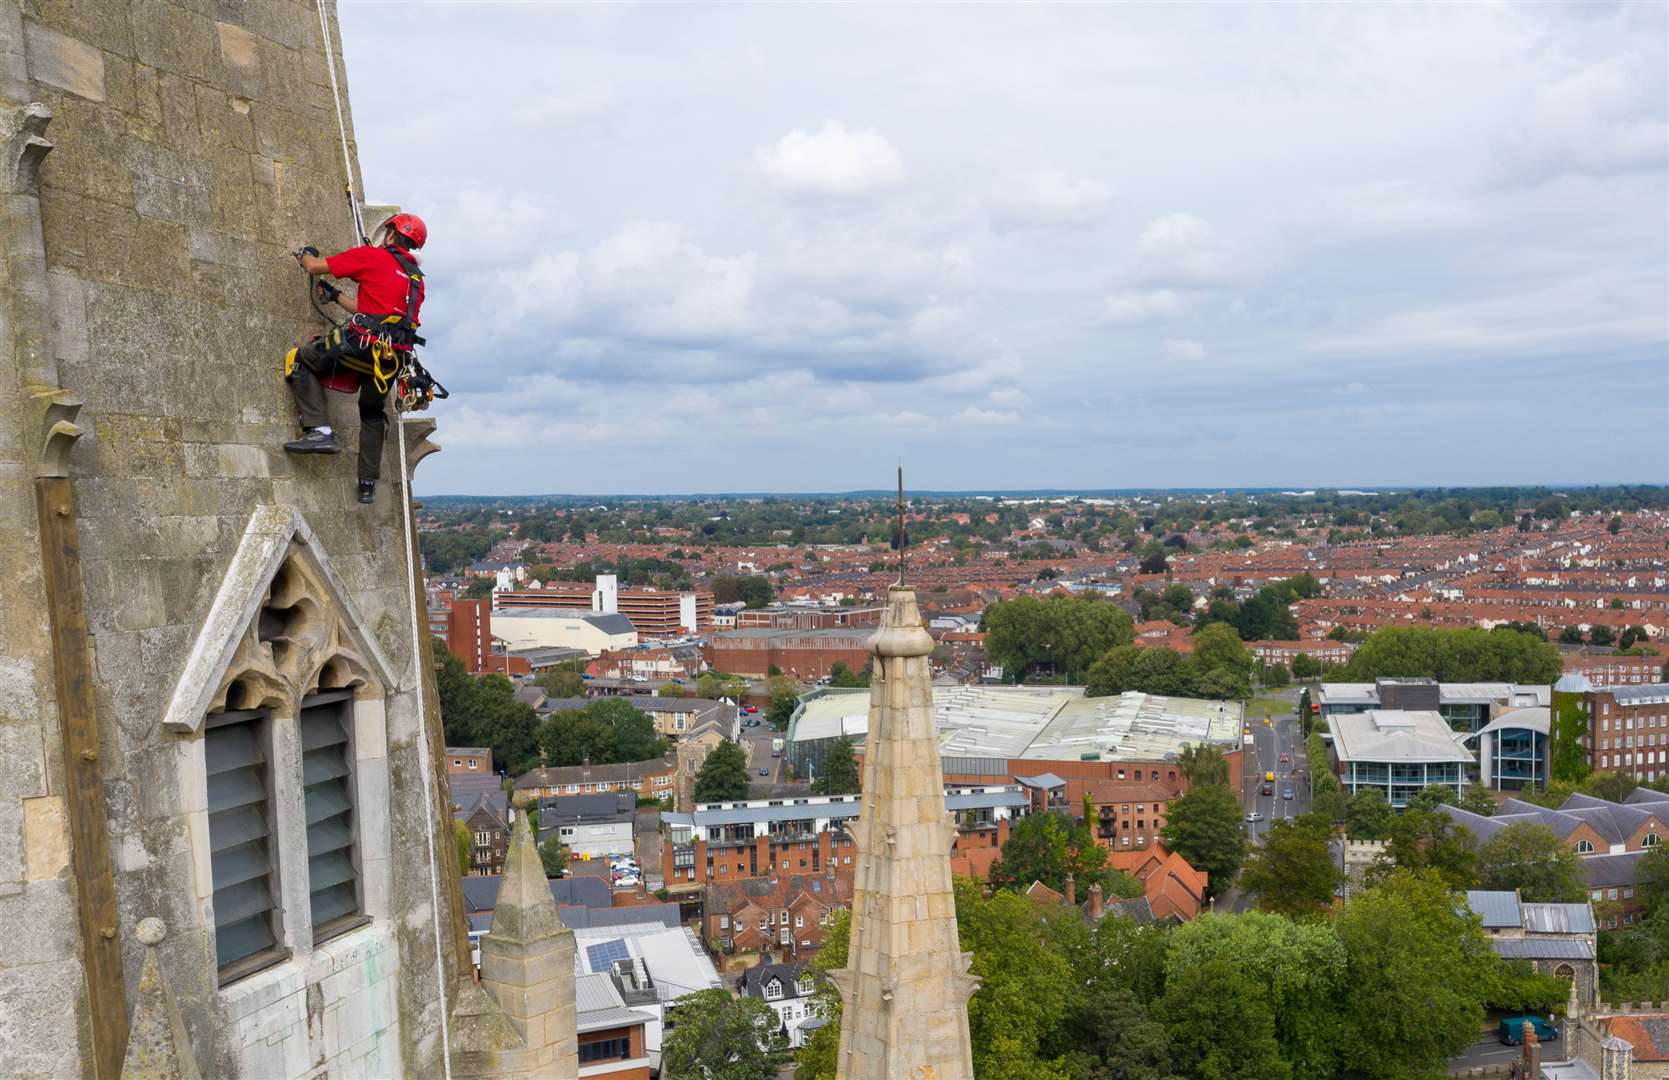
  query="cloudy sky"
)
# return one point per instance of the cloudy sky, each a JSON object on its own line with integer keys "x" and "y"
{"x": 781, "y": 247}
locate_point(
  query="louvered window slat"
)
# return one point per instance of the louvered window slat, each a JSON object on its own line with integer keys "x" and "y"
{"x": 327, "y": 768}
{"x": 240, "y": 859}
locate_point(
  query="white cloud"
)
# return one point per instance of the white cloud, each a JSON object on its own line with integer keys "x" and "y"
{"x": 1047, "y": 197}
{"x": 1601, "y": 120}
{"x": 987, "y": 417}
{"x": 1132, "y": 307}
{"x": 1181, "y": 250}
{"x": 1185, "y": 350}
{"x": 835, "y": 161}
{"x": 567, "y": 110}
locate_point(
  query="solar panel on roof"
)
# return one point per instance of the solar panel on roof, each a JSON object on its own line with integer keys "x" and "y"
{"x": 602, "y": 955}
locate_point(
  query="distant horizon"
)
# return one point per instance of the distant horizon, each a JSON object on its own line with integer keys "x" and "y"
{"x": 1354, "y": 490}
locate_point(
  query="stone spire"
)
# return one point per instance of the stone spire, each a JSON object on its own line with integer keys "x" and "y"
{"x": 157, "y": 1047}
{"x": 527, "y": 969}
{"x": 906, "y": 984}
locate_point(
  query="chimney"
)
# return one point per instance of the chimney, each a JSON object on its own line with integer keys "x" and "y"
{"x": 1071, "y": 890}
{"x": 1097, "y": 907}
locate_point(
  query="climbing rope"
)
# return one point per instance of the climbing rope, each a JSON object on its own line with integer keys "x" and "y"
{"x": 341, "y": 128}
{"x": 423, "y": 757}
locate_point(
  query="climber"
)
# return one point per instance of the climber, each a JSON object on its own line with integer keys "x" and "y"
{"x": 382, "y": 328}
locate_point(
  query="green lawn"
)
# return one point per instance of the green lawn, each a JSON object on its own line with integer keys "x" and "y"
{"x": 1259, "y": 707}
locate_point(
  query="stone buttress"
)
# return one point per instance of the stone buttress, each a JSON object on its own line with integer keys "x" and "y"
{"x": 520, "y": 1021}
{"x": 906, "y": 984}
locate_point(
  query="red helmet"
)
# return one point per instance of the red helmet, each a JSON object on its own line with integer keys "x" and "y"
{"x": 409, "y": 226}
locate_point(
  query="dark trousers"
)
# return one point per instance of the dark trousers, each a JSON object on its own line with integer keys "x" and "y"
{"x": 310, "y": 404}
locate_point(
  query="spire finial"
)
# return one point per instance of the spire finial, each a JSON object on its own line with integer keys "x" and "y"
{"x": 901, "y": 539}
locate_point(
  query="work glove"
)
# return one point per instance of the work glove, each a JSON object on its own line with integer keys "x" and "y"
{"x": 328, "y": 293}
{"x": 308, "y": 250}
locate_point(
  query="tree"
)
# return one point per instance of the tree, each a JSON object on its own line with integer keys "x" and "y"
{"x": 1061, "y": 635}
{"x": 1327, "y": 798}
{"x": 483, "y": 711}
{"x": 1602, "y": 634}
{"x": 480, "y": 589}
{"x": 1047, "y": 847}
{"x": 562, "y": 681}
{"x": 466, "y": 847}
{"x": 1567, "y": 731}
{"x": 1570, "y": 635}
{"x": 1419, "y": 967}
{"x": 815, "y": 1059}
{"x": 1476, "y": 798}
{"x": 1469, "y": 655}
{"x": 839, "y": 775}
{"x": 1293, "y": 873}
{"x": 1202, "y": 763}
{"x": 1651, "y": 878}
{"x": 1204, "y": 827}
{"x": 1154, "y": 558}
{"x": 844, "y": 677}
{"x": 1025, "y": 986}
{"x": 1218, "y": 647}
{"x": 1275, "y": 675}
{"x": 1615, "y": 525}
{"x": 1221, "y": 1026}
{"x": 1429, "y": 841}
{"x": 553, "y": 855}
{"x": 604, "y": 731}
{"x": 1368, "y": 816}
{"x": 713, "y": 1036}
{"x": 724, "y": 775}
{"x": 1299, "y": 965}
{"x": 785, "y": 697}
{"x": 1529, "y": 857}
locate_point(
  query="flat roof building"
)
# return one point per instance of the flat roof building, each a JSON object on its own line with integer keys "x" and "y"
{"x": 1400, "y": 752}
{"x": 1465, "y": 706}
{"x": 555, "y": 627}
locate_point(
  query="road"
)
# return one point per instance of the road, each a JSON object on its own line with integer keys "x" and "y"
{"x": 1269, "y": 742}
{"x": 757, "y": 740}
{"x": 1489, "y": 1051}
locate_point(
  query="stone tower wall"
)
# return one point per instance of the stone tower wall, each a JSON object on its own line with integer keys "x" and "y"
{"x": 146, "y": 273}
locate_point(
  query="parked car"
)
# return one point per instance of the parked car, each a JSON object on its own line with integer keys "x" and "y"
{"x": 750, "y": 709}
{"x": 1512, "y": 1029}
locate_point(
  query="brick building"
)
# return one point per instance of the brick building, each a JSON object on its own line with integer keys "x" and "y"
{"x": 720, "y": 842}
{"x": 1628, "y": 726}
{"x": 654, "y": 613}
{"x": 1324, "y": 651}
{"x": 805, "y": 618}
{"x": 653, "y": 778}
{"x": 1609, "y": 669}
{"x": 1608, "y": 838}
{"x": 801, "y": 654}
{"x": 788, "y": 914}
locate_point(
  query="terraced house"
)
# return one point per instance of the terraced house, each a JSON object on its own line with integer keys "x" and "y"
{"x": 1609, "y": 838}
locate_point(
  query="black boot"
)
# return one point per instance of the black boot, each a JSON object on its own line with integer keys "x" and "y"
{"x": 367, "y": 491}
{"x": 313, "y": 442}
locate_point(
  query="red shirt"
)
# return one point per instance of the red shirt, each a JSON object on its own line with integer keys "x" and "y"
{"x": 382, "y": 284}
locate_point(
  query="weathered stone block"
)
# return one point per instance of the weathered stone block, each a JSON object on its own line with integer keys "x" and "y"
{"x": 46, "y": 849}
{"x": 64, "y": 62}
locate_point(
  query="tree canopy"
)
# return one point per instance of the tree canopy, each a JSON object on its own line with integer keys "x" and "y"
{"x": 482, "y": 710}
{"x": 1467, "y": 655}
{"x": 839, "y": 772}
{"x": 1204, "y": 827}
{"x": 1293, "y": 872}
{"x": 714, "y": 1036}
{"x": 724, "y": 775}
{"x": 1530, "y": 857}
{"x": 605, "y": 731}
{"x": 1061, "y": 636}
{"x": 1048, "y": 846}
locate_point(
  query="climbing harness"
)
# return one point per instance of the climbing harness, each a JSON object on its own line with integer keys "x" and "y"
{"x": 425, "y": 764}
{"x": 381, "y": 347}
